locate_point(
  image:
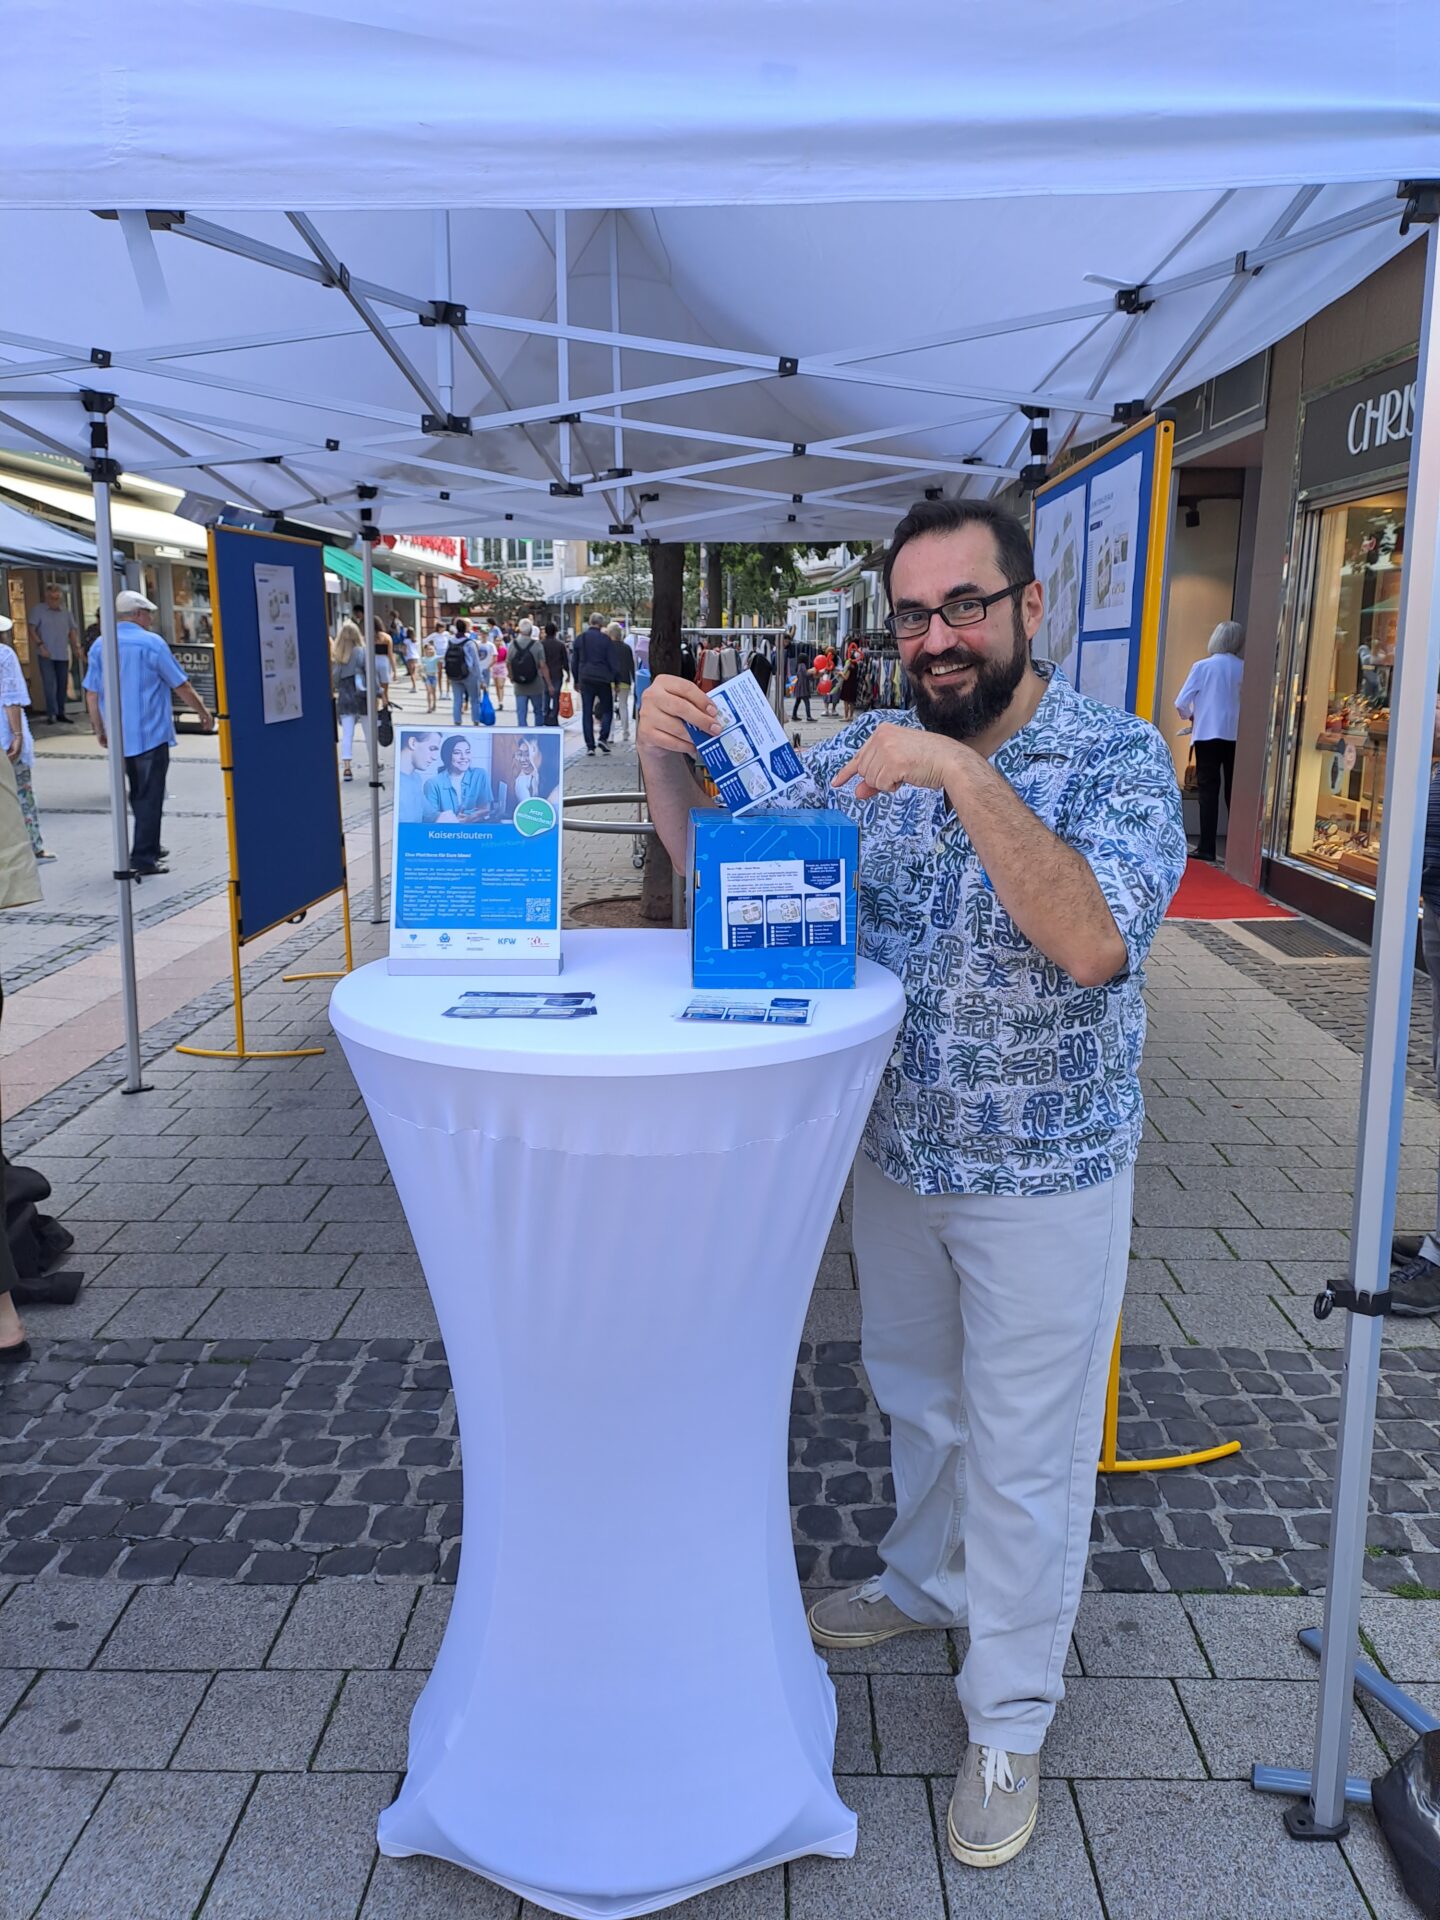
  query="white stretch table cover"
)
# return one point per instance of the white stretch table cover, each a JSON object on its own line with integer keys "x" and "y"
{"x": 619, "y": 1219}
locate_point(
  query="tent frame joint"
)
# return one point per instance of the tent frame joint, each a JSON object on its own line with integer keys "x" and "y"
{"x": 440, "y": 423}
{"x": 1422, "y": 203}
{"x": 445, "y": 313}
{"x": 1132, "y": 300}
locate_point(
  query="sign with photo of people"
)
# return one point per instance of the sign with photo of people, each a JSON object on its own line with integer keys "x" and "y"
{"x": 476, "y": 850}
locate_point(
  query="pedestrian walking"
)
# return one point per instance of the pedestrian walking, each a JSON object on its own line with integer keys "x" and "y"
{"x": 462, "y": 670}
{"x": 149, "y": 674}
{"x": 430, "y": 668}
{"x": 528, "y": 674}
{"x": 801, "y": 691}
{"x": 850, "y": 689}
{"x": 594, "y": 676}
{"x": 410, "y": 648}
{"x": 499, "y": 671}
{"x": 557, "y": 664}
{"x": 56, "y": 641}
{"x": 15, "y": 741}
{"x": 384, "y": 663}
{"x": 1210, "y": 701}
{"x": 19, "y": 887}
{"x": 347, "y": 678}
{"x": 622, "y": 663}
{"x": 1019, "y": 846}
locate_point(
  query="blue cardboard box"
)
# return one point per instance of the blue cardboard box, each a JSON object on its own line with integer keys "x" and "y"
{"x": 773, "y": 899}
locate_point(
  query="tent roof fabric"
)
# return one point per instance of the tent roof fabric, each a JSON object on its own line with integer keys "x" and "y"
{"x": 776, "y": 306}
{"x": 352, "y": 570}
{"x": 28, "y": 541}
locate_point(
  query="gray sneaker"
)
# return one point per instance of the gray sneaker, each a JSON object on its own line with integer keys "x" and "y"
{"x": 860, "y": 1617}
{"x": 993, "y": 1808}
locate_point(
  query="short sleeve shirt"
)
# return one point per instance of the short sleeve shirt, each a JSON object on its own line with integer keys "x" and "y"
{"x": 148, "y": 674}
{"x": 54, "y": 626}
{"x": 1008, "y": 1077}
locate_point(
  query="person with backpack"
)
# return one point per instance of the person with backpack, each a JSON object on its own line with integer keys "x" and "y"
{"x": 529, "y": 676}
{"x": 594, "y": 675}
{"x": 462, "y": 670}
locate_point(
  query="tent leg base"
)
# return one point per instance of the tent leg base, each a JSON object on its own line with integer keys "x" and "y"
{"x": 250, "y": 1053}
{"x": 144, "y": 1087}
{"x": 1301, "y": 1824}
{"x": 1169, "y": 1460}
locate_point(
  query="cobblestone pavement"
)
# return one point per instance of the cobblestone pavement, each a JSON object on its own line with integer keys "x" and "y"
{"x": 198, "y": 1716}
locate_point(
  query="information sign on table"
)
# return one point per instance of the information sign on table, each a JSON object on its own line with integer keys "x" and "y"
{"x": 476, "y": 850}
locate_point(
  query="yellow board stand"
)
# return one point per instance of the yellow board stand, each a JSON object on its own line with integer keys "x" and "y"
{"x": 227, "y": 767}
{"x": 1109, "y": 1439}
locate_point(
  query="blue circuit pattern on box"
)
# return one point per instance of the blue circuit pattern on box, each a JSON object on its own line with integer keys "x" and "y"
{"x": 774, "y": 899}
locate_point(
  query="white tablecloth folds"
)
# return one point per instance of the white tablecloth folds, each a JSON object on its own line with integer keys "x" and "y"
{"x": 619, "y": 1219}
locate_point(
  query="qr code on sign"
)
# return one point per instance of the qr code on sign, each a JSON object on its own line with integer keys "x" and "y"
{"x": 537, "y": 911}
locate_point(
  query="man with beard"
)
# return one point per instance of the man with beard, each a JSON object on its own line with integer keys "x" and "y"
{"x": 1019, "y": 847}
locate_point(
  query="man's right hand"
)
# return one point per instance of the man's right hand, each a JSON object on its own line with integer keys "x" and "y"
{"x": 668, "y": 704}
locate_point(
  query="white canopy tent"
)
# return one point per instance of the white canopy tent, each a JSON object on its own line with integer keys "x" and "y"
{"x": 739, "y": 270}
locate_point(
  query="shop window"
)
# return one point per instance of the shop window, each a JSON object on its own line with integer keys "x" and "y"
{"x": 1343, "y": 724}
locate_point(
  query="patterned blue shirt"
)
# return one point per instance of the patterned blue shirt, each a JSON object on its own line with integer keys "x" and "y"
{"x": 1007, "y": 1077}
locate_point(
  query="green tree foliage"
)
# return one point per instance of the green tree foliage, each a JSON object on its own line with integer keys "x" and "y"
{"x": 758, "y": 579}
{"x": 516, "y": 595}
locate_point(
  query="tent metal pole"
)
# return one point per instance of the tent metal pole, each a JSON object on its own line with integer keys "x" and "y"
{"x": 372, "y": 705}
{"x": 444, "y": 336}
{"x": 1382, "y": 1099}
{"x": 102, "y": 468}
{"x": 562, "y": 343}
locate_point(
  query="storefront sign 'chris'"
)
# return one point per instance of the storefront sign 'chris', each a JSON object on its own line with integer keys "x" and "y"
{"x": 1360, "y": 428}
{"x": 1381, "y": 421}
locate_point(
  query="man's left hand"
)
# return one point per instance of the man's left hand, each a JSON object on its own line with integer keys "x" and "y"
{"x": 896, "y": 757}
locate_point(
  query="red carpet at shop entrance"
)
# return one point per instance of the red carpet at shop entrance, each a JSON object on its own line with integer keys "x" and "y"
{"x": 1208, "y": 893}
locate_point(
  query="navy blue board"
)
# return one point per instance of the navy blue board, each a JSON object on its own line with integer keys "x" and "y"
{"x": 773, "y": 898}
{"x": 1067, "y": 635}
{"x": 287, "y": 850}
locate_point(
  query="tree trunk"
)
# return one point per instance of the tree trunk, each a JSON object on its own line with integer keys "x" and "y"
{"x": 715, "y": 584}
{"x": 667, "y": 566}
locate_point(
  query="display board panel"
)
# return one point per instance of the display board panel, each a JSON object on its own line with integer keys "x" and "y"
{"x": 277, "y": 726}
{"x": 1101, "y": 532}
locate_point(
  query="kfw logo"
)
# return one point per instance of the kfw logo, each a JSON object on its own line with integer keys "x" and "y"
{"x": 506, "y": 940}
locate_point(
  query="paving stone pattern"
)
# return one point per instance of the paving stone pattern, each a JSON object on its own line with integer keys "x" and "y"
{"x": 193, "y": 1750}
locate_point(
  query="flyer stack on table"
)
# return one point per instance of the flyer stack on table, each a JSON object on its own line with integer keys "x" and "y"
{"x": 620, "y": 1214}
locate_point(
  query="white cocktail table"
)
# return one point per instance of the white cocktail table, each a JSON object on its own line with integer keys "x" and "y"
{"x": 620, "y": 1218}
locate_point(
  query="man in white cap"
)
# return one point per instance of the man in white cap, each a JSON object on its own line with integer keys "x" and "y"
{"x": 149, "y": 674}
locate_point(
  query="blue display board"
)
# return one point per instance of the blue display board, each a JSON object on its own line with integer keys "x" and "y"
{"x": 1100, "y": 533}
{"x": 277, "y": 727}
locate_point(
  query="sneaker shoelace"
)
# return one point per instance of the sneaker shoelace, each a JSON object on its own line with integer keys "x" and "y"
{"x": 871, "y": 1592}
{"x": 993, "y": 1767}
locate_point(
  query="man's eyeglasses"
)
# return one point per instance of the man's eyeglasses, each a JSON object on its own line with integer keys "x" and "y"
{"x": 966, "y": 610}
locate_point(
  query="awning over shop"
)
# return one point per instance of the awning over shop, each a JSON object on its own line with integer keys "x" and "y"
{"x": 145, "y": 526}
{"x": 352, "y": 570}
{"x": 28, "y": 541}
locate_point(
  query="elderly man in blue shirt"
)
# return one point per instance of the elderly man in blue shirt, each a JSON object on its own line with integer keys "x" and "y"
{"x": 149, "y": 674}
{"x": 1019, "y": 846}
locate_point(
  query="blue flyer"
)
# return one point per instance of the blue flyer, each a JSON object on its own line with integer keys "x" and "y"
{"x": 476, "y": 874}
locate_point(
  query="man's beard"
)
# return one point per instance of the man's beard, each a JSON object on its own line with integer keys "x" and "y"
{"x": 961, "y": 716}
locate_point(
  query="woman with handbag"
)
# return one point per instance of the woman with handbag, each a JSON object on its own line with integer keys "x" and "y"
{"x": 347, "y": 677}
{"x": 1210, "y": 700}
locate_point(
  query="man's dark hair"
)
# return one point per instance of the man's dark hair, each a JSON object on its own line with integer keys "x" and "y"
{"x": 550, "y": 629}
{"x": 1012, "y": 542}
